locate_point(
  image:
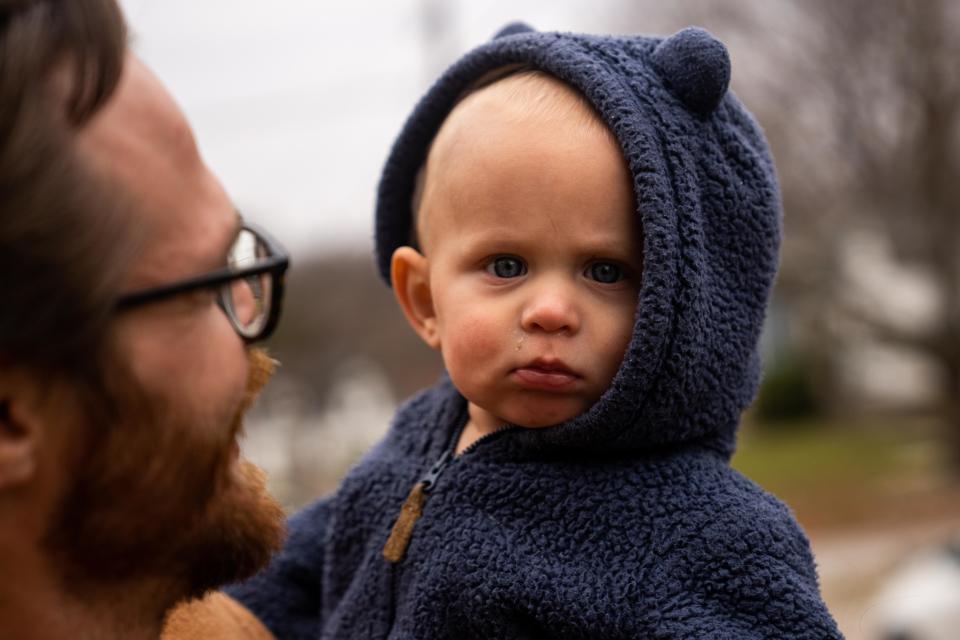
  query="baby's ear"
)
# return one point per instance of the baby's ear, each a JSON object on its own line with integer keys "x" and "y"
{"x": 410, "y": 276}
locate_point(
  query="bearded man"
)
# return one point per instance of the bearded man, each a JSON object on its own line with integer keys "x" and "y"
{"x": 131, "y": 292}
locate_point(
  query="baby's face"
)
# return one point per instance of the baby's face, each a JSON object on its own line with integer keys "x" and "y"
{"x": 534, "y": 257}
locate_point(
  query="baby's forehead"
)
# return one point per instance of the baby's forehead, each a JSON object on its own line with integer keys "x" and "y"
{"x": 518, "y": 155}
{"x": 530, "y": 99}
{"x": 532, "y": 96}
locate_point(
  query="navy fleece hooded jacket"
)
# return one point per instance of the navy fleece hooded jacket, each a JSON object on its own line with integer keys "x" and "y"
{"x": 626, "y": 521}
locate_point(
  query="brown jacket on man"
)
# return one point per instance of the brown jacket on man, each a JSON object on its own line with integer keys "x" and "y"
{"x": 215, "y": 617}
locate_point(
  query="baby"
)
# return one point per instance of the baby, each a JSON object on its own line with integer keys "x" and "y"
{"x": 529, "y": 260}
{"x": 586, "y": 228}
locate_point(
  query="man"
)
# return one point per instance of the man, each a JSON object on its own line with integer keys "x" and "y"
{"x": 131, "y": 290}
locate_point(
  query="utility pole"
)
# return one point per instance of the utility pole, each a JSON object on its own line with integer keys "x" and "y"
{"x": 439, "y": 36}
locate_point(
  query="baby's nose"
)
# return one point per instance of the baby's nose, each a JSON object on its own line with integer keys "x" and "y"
{"x": 551, "y": 310}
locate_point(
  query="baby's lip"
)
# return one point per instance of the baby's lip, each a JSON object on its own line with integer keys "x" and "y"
{"x": 546, "y": 374}
{"x": 550, "y": 365}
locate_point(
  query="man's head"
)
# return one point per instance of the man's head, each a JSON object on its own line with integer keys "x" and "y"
{"x": 118, "y": 455}
{"x": 530, "y": 254}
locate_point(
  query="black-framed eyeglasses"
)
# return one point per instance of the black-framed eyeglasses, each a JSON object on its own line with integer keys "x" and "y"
{"x": 249, "y": 289}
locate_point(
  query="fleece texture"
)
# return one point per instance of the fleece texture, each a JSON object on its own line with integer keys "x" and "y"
{"x": 626, "y": 521}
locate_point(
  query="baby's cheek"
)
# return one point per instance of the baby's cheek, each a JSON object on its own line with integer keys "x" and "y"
{"x": 475, "y": 340}
{"x": 613, "y": 348}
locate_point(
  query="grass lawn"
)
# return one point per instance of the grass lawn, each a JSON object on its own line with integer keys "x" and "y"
{"x": 836, "y": 475}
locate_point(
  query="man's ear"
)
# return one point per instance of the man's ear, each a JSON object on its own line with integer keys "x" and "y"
{"x": 20, "y": 431}
{"x": 410, "y": 275}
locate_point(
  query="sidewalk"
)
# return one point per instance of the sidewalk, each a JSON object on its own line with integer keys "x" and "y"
{"x": 852, "y": 564}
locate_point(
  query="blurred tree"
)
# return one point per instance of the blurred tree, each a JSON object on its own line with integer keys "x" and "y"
{"x": 861, "y": 101}
{"x": 785, "y": 396}
{"x": 882, "y": 77}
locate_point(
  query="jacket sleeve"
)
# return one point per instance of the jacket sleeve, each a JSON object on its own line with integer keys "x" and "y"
{"x": 749, "y": 578}
{"x": 286, "y": 596}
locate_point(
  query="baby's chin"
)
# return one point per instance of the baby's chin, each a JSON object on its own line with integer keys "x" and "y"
{"x": 540, "y": 421}
{"x": 538, "y": 424}
{"x": 528, "y": 411}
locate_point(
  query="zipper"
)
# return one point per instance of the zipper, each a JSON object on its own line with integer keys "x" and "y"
{"x": 486, "y": 437}
{"x": 412, "y": 509}
{"x": 429, "y": 480}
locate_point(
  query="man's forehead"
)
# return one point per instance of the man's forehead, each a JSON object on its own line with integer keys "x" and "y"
{"x": 142, "y": 144}
{"x": 141, "y": 117}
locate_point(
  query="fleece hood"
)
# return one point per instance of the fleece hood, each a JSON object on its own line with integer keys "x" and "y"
{"x": 707, "y": 196}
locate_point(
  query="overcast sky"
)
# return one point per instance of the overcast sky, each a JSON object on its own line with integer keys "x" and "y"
{"x": 296, "y": 102}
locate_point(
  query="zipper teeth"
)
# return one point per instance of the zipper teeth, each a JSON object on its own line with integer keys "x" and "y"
{"x": 449, "y": 456}
{"x": 484, "y": 438}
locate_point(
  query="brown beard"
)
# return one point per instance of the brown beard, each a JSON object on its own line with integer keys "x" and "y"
{"x": 159, "y": 498}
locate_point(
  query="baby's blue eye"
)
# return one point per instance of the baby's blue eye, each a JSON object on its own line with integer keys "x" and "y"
{"x": 507, "y": 267}
{"x": 605, "y": 272}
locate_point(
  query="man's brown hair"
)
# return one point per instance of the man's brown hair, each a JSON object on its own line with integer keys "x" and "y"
{"x": 60, "y": 60}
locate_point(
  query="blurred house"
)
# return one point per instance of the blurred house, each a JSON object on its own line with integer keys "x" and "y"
{"x": 306, "y": 452}
{"x": 876, "y": 374}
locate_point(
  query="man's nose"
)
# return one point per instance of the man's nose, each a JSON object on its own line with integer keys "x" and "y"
{"x": 551, "y": 309}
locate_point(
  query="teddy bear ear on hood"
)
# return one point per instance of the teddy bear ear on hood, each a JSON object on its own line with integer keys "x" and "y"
{"x": 695, "y": 67}
{"x": 513, "y": 29}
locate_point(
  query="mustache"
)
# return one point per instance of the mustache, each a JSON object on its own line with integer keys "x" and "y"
{"x": 261, "y": 369}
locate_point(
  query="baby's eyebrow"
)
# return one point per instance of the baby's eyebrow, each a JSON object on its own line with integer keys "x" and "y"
{"x": 614, "y": 247}
{"x": 494, "y": 238}
{"x": 588, "y": 249}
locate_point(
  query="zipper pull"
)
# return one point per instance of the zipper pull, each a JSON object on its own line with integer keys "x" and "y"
{"x": 430, "y": 478}
{"x": 412, "y": 509}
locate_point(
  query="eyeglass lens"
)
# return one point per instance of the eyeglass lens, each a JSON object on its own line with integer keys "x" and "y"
{"x": 247, "y": 300}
